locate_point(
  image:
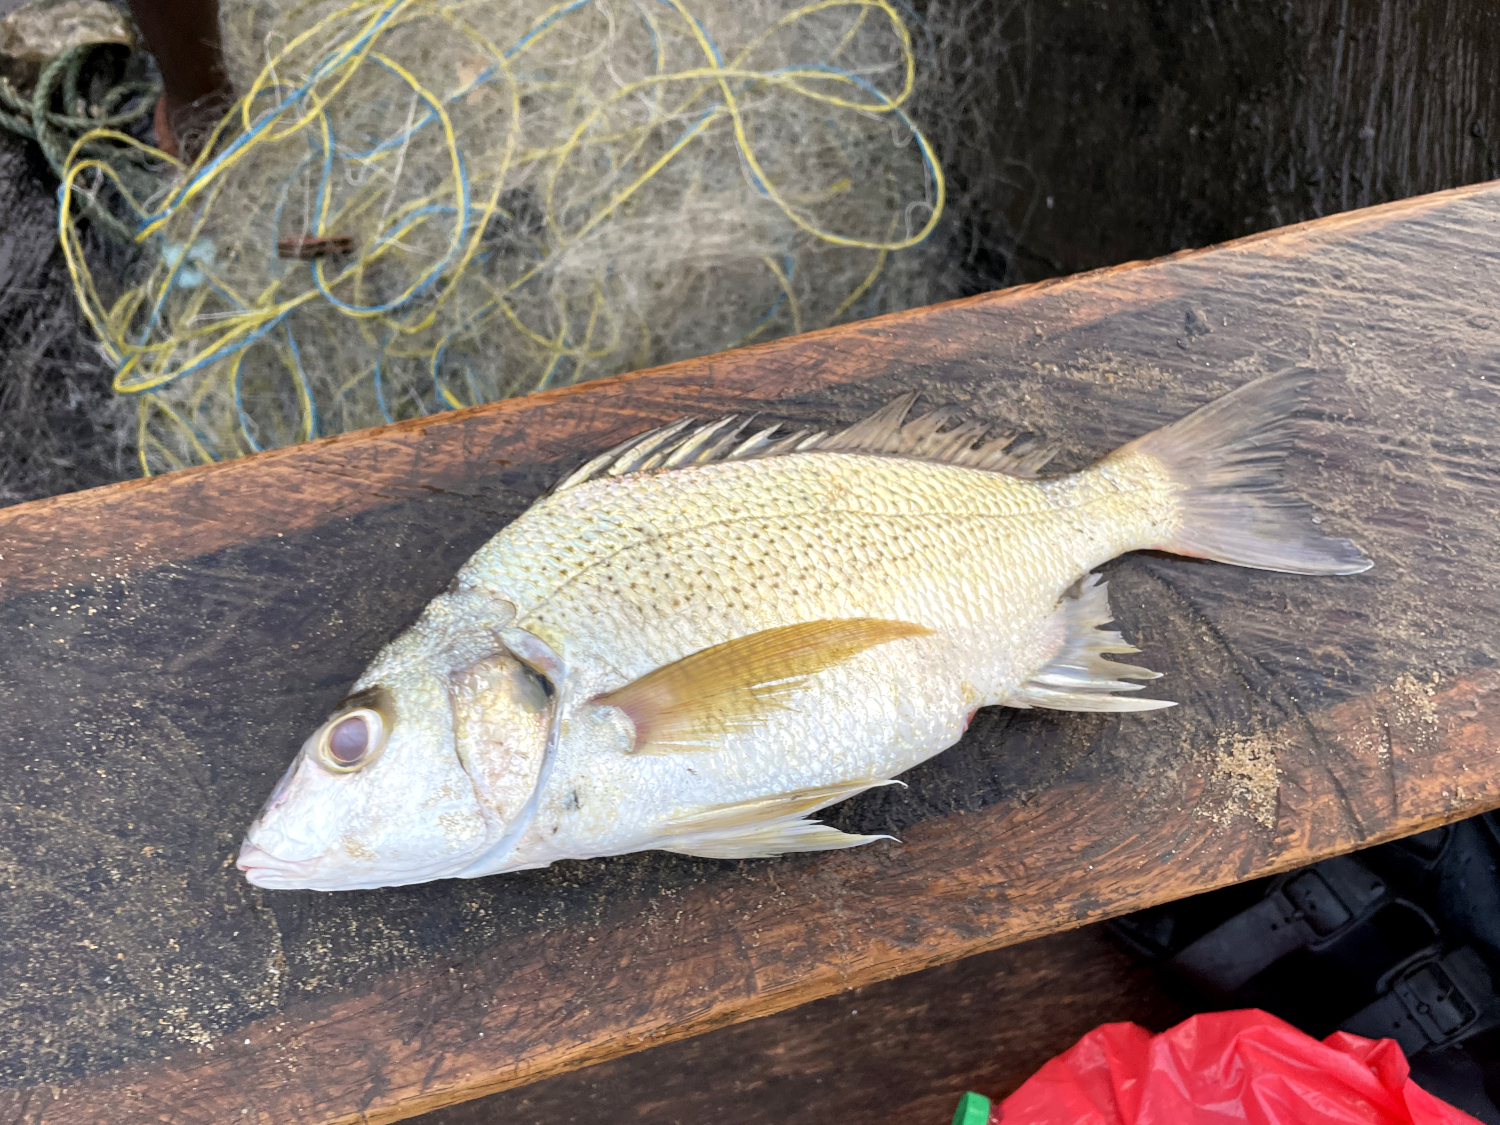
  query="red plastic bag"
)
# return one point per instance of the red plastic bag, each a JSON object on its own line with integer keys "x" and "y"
{"x": 1225, "y": 1068}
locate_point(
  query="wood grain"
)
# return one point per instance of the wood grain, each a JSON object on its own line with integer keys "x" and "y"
{"x": 894, "y": 1053}
{"x": 171, "y": 641}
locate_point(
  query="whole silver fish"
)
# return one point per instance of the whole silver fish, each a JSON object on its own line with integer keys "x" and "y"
{"x": 701, "y": 638}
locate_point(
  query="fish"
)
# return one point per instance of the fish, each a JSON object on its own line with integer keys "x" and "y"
{"x": 701, "y": 638}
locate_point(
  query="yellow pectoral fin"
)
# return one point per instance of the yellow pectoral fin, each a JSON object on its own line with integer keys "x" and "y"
{"x": 686, "y": 704}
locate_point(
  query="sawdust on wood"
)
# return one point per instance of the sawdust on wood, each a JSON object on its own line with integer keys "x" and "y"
{"x": 1246, "y": 779}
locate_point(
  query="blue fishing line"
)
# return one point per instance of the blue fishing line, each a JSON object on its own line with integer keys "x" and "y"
{"x": 790, "y": 266}
{"x": 481, "y": 79}
{"x": 437, "y": 356}
{"x": 219, "y": 353}
{"x": 239, "y": 404}
{"x": 928, "y": 164}
{"x": 432, "y": 368}
{"x": 913, "y": 16}
{"x": 427, "y": 279}
{"x": 709, "y": 39}
{"x": 321, "y": 208}
{"x": 286, "y": 190}
{"x": 379, "y": 382}
{"x": 656, "y": 52}
{"x": 312, "y": 403}
{"x": 412, "y": 219}
{"x": 208, "y": 443}
{"x": 428, "y": 117}
{"x": 546, "y": 378}
{"x": 543, "y": 26}
{"x": 261, "y": 125}
{"x": 230, "y": 349}
{"x": 174, "y": 267}
{"x": 475, "y": 398}
{"x": 485, "y": 76}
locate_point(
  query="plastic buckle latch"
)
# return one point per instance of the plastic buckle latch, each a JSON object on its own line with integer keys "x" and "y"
{"x": 1341, "y": 893}
{"x": 1431, "y": 1001}
{"x": 1436, "y": 1001}
{"x": 1311, "y": 909}
{"x": 1318, "y": 904}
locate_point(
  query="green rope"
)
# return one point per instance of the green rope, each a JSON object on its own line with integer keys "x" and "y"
{"x": 56, "y": 131}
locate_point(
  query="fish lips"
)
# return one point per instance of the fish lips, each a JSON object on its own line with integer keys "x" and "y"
{"x": 273, "y": 873}
{"x": 266, "y": 870}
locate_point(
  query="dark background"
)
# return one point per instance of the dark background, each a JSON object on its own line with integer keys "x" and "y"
{"x": 1082, "y": 133}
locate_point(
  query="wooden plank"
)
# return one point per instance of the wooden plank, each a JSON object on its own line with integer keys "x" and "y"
{"x": 506, "y": 450}
{"x": 170, "y": 641}
{"x": 894, "y": 1053}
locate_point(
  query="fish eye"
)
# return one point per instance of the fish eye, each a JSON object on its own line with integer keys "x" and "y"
{"x": 351, "y": 740}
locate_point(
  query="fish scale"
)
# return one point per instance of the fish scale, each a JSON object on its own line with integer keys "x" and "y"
{"x": 918, "y": 552}
{"x": 701, "y": 638}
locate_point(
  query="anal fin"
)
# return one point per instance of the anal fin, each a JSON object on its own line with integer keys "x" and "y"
{"x": 1078, "y": 678}
{"x": 766, "y": 826}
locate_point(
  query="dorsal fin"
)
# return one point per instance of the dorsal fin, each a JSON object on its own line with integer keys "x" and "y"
{"x": 886, "y": 432}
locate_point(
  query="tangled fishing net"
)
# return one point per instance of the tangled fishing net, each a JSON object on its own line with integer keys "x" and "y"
{"x": 421, "y": 205}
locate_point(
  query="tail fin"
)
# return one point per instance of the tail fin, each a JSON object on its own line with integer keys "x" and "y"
{"x": 1226, "y": 461}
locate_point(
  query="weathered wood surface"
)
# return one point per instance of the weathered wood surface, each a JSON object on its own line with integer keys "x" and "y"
{"x": 899, "y": 1052}
{"x": 169, "y": 642}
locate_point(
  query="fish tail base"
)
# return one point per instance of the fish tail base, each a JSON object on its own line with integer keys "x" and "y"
{"x": 1225, "y": 465}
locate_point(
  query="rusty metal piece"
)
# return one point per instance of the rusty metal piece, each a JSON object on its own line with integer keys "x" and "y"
{"x": 307, "y": 247}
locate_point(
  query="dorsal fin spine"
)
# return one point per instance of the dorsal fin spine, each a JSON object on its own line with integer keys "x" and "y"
{"x": 885, "y": 432}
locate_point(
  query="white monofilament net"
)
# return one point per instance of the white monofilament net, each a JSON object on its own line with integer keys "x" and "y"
{"x": 417, "y": 206}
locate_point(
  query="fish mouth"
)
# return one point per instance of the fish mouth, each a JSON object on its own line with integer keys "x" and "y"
{"x": 263, "y": 869}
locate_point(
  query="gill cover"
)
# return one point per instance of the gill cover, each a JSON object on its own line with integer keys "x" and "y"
{"x": 502, "y": 713}
{"x": 507, "y": 719}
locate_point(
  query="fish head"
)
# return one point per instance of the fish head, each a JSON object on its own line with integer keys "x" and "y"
{"x": 430, "y": 763}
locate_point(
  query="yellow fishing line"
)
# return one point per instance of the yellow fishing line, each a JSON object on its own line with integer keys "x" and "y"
{"x": 418, "y": 205}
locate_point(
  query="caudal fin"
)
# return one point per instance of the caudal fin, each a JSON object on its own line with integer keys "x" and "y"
{"x": 1226, "y": 463}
